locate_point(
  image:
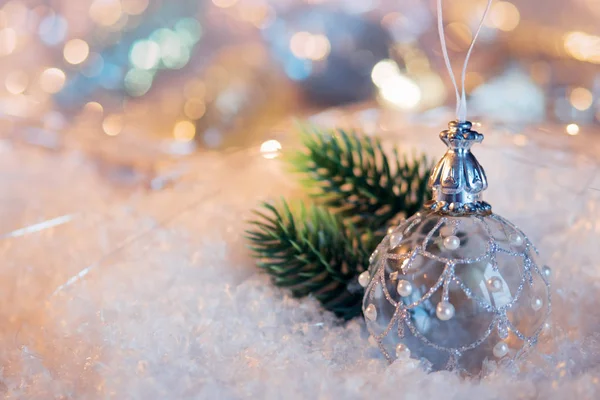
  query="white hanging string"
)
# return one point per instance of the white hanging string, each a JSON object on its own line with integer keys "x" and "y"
{"x": 461, "y": 97}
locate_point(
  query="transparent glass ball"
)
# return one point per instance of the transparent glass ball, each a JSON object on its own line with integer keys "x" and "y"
{"x": 458, "y": 291}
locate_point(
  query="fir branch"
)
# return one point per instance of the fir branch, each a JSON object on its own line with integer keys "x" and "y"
{"x": 354, "y": 176}
{"x": 312, "y": 252}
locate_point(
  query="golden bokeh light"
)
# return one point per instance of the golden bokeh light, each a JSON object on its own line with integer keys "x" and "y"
{"x": 394, "y": 87}
{"x": 581, "y": 98}
{"x": 297, "y": 43}
{"x": 401, "y": 92}
{"x": 505, "y": 16}
{"x": 383, "y": 70}
{"x": 572, "y": 129}
{"x": 93, "y": 107}
{"x": 194, "y": 109}
{"x": 76, "y": 51}
{"x": 52, "y": 80}
{"x": 16, "y": 82}
{"x": 106, "y": 12}
{"x": 310, "y": 46}
{"x": 270, "y": 149}
{"x": 318, "y": 47}
{"x": 184, "y": 131}
{"x": 582, "y": 46}
{"x": 112, "y": 124}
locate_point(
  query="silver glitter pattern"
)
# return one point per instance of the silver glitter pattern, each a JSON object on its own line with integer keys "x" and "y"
{"x": 492, "y": 249}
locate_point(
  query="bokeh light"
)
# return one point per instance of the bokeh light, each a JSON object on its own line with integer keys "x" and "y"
{"x": 394, "y": 87}
{"x": 189, "y": 31}
{"x": 505, "y": 16}
{"x": 310, "y": 46}
{"x": 401, "y": 92}
{"x": 93, "y": 107}
{"x": 572, "y": 129}
{"x": 53, "y": 29}
{"x": 173, "y": 53}
{"x": 581, "y": 98}
{"x": 138, "y": 81}
{"x": 52, "y": 80}
{"x": 194, "y": 109}
{"x": 145, "y": 54}
{"x": 270, "y": 149}
{"x": 112, "y": 124}
{"x": 383, "y": 71}
{"x": 16, "y": 82}
{"x": 582, "y": 46}
{"x": 76, "y": 51}
{"x": 184, "y": 131}
{"x": 106, "y": 12}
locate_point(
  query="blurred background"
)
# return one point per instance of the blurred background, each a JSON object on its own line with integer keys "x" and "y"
{"x": 136, "y": 85}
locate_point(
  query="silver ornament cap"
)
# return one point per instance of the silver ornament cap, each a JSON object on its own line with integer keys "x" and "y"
{"x": 458, "y": 179}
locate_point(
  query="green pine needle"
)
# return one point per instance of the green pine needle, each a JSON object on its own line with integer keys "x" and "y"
{"x": 311, "y": 251}
{"x": 321, "y": 250}
{"x": 354, "y": 176}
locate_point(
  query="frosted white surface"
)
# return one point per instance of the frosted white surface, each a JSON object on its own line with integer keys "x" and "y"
{"x": 151, "y": 294}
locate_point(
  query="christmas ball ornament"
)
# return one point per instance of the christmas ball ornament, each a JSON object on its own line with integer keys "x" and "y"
{"x": 456, "y": 284}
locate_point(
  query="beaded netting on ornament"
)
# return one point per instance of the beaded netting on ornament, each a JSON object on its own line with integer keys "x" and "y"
{"x": 458, "y": 292}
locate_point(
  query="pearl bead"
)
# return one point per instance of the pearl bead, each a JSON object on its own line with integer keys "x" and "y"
{"x": 500, "y": 349}
{"x": 515, "y": 239}
{"x": 404, "y": 288}
{"x": 546, "y": 271}
{"x": 371, "y": 312}
{"x": 402, "y": 352}
{"x": 452, "y": 242}
{"x": 364, "y": 279}
{"x": 537, "y": 303}
{"x": 444, "y": 311}
{"x": 494, "y": 284}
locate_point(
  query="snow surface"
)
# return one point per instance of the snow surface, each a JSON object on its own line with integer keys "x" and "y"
{"x": 152, "y": 295}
